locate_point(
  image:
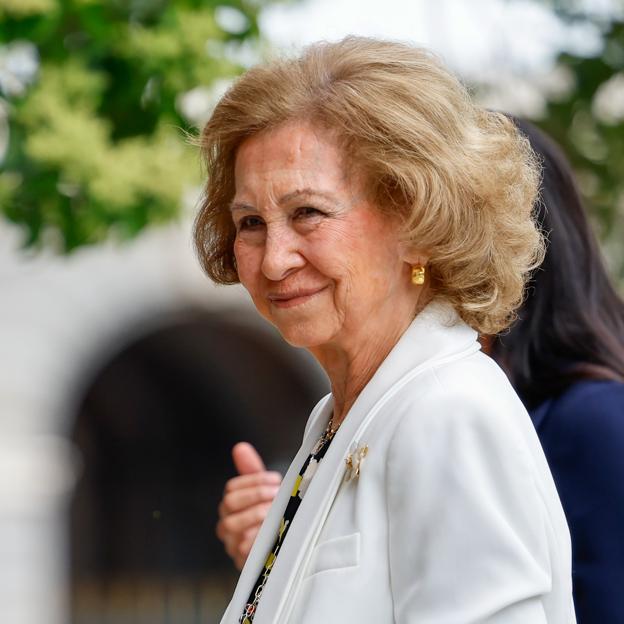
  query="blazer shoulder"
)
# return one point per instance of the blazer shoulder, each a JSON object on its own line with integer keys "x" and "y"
{"x": 473, "y": 373}
{"x": 467, "y": 397}
{"x": 462, "y": 423}
{"x": 471, "y": 385}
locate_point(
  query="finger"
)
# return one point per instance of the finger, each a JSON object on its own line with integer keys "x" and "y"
{"x": 236, "y": 524}
{"x": 250, "y": 534}
{"x": 253, "y": 480}
{"x": 239, "y": 547}
{"x": 231, "y": 541}
{"x": 246, "y": 459}
{"x": 239, "y": 562}
{"x": 244, "y": 546}
{"x": 241, "y": 557}
{"x": 238, "y": 500}
{"x": 239, "y": 552}
{"x": 231, "y": 545}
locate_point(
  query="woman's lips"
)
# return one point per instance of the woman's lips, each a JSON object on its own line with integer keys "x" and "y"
{"x": 294, "y": 298}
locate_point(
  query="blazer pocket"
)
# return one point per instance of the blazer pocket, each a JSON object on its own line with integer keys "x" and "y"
{"x": 335, "y": 553}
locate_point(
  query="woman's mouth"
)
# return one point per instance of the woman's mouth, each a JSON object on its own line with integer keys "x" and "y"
{"x": 293, "y": 298}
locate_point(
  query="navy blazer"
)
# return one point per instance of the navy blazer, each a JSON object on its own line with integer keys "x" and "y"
{"x": 582, "y": 433}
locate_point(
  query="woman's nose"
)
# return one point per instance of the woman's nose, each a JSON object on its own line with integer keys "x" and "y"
{"x": 282, "y": 254}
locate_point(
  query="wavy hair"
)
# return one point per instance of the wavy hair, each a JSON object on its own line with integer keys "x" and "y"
{"x": 462, "y": 179}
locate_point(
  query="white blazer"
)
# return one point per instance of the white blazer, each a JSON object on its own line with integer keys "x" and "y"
{"x": 454, "y": 518}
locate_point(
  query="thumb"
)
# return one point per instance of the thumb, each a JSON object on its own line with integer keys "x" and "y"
{"x": 246, "y": 459}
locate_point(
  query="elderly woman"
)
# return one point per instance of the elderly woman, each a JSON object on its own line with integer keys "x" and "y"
{"x": 381, "y": 220}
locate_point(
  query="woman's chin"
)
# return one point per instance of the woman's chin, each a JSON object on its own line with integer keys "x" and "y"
{"x": 305, "y": 335}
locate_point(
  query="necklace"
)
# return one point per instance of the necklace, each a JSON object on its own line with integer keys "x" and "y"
{"x": 327, "y": 436}
{"x": 330, "y": 430}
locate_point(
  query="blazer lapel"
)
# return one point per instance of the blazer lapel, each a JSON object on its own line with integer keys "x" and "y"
{"x": 268, "y": 532}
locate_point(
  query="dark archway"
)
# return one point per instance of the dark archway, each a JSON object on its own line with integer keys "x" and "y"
{"x": 155, "y": 428}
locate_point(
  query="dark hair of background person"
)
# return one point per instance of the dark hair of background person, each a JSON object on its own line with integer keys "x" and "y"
{"x": 571, "y": 325}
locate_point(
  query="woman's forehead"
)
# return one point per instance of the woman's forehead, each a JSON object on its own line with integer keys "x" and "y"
{"x": 290, "y": 144}
{"x": 290, "y": 158}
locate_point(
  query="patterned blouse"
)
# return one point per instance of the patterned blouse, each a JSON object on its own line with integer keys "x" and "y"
{"x": 301, "y": 485}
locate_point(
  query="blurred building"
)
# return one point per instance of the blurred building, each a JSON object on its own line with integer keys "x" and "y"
{"x": 126, "y": 378}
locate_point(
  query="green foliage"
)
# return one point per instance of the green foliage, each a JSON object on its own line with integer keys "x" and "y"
{"x": 97, "y": 138}
{"x": 589, "y": 124}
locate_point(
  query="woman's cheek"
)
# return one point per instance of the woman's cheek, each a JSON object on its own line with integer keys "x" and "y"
{"x": 245, "y": 264}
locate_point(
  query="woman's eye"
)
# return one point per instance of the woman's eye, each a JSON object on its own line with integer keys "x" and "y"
{"x": 250, "y": 223}
{"x": 307, "y": 211}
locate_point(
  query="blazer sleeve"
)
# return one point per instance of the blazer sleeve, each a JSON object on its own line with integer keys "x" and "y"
{"x": 467, "y": 538}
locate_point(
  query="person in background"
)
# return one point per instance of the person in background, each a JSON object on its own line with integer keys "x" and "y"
{"x": 565, "y": 358}
{"x": 381, "y": 220}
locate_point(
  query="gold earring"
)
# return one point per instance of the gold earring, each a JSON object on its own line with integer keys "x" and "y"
{"x": 418, "y": 275}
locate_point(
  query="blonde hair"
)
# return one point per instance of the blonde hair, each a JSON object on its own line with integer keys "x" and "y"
{"x": 463, "y": 179}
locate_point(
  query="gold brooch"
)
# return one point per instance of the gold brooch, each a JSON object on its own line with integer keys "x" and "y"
{"x": 354, "y": 461}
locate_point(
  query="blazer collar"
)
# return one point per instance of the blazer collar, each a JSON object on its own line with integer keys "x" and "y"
{"x": 436, "y": 334}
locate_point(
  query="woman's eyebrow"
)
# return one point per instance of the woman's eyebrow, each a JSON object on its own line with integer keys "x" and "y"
{"x": 308, "y": 192}
{"x": 298, "y": 193}
{"x": 240, "y": 206}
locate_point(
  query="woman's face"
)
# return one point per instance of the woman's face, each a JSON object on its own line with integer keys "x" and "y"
{"x": 320, "y": 262}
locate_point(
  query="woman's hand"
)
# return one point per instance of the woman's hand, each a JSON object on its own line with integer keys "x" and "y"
{"x": 245, "y": 503}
